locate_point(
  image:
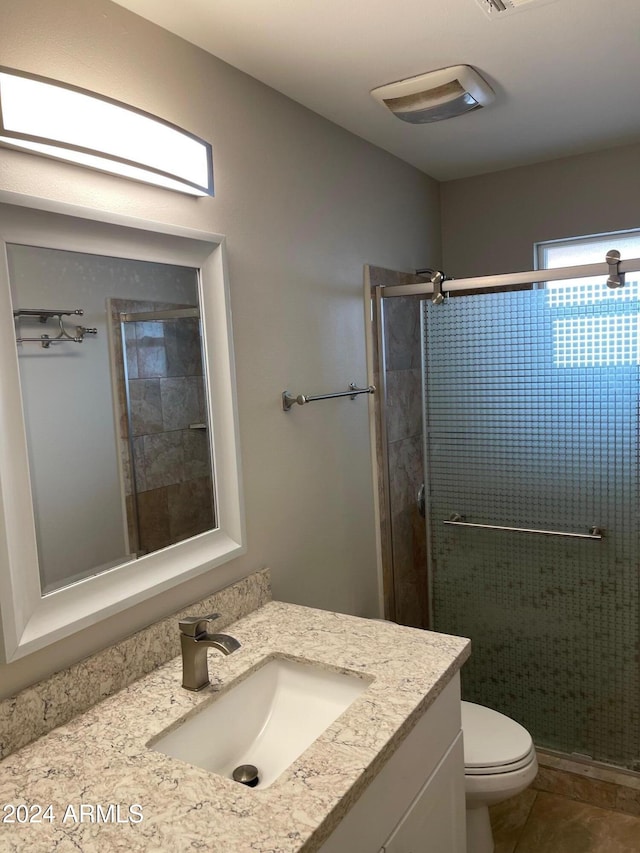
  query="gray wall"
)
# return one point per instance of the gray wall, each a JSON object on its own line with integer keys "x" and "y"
{"x": 304, "y": 205}
{"x": 490, "y": 222}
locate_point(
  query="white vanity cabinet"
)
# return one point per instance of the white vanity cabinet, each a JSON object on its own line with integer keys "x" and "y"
{"x": 416, "y": 803}
{"x": 434, "y": 822}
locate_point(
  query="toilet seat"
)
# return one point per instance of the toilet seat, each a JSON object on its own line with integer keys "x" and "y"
{"x": 493, "y": 742}
{"x": 493, "y": 769}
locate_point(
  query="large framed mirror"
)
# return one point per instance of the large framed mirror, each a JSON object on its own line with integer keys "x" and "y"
{"x": 119, "y": 460}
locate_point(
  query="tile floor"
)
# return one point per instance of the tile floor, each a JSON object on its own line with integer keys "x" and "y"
{"x": 540, "y": 822}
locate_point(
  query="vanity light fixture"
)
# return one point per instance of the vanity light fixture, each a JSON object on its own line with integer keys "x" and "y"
{"x": 58, "y": 120}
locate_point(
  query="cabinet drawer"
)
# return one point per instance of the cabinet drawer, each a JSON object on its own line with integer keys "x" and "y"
{"x": 435, "y": 822}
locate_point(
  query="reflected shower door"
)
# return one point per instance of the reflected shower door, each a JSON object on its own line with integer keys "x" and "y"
{"x": 166, "y": 459}
{"x": 531, "y": 421}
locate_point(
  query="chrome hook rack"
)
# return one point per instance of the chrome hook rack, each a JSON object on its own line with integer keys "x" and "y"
{"x": 43, "y": 315}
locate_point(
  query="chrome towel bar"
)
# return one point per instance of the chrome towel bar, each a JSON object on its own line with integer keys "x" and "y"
{"x": 458, "y": 521}
{"x": 288, "y": 400}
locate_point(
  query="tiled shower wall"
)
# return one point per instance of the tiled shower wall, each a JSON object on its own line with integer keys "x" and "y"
{"x": 170, "y": 440}
{"x": 404, "y": 557}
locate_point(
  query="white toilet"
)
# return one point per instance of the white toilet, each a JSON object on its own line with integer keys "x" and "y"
{"x": 499, "y": 762}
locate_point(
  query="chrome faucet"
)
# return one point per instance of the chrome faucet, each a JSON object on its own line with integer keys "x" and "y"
{"x": 195, "y": 639}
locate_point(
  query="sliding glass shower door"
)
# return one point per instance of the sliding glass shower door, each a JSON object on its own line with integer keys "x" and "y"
{"x": 531, "y": 422}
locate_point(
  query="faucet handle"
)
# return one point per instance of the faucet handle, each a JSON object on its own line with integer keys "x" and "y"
{"x": 192, "y": 626}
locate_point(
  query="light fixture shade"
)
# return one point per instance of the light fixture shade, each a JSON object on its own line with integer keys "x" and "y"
{"x": 436, "y": 95}
{"x": 56, "y": 120}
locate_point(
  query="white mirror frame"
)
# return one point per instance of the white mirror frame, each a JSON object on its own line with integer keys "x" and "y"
{"x": 29, "y": 620}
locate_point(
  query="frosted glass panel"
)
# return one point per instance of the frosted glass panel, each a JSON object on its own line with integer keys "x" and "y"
{"x": 532, "y": 421}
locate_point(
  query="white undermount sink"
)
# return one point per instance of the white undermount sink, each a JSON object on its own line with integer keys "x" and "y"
{"x": 267, "y": 719}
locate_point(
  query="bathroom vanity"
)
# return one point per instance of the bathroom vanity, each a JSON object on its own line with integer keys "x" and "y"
{"x": 416, "y": 802}
{"x": 386, "y": 775}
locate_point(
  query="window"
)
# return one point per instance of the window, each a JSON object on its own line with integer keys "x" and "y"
{"x": 596, "y": 326}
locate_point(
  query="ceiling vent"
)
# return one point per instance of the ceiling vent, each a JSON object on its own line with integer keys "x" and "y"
{"x": 500, "y": 8}
{"x": 436, "y": 95}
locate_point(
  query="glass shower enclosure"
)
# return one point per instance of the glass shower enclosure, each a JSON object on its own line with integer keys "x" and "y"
{"x": 531, "y": 423}
{"x": 531, "y": 455}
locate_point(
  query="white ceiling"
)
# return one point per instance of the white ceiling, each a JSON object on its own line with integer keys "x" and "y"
{"x": 566, "y": 73}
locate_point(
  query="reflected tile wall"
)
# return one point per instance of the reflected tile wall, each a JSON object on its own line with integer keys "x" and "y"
{"x": 163, "y": 459}
{"x": 150, "y": 349}
{"x": 190, "y": 509}
{"x": 180, "y": 401}
{"x": 182, "y": 347}
{"x": 171, "y": 460}
{"x": 146, "y": 406}
{"x": 176, "y": 512}
{"x": 196, "y": 454}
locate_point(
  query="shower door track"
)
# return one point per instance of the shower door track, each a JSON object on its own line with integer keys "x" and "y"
{"x": 510, "y": 281}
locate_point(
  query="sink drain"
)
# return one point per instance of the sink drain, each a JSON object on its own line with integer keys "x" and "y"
{"x": 246, "y": 774}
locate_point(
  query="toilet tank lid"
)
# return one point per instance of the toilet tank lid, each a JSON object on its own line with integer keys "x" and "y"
{"x": 492, "y": 739}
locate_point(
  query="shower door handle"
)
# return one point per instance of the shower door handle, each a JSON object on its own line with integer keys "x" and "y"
{"x": 457, "y": 520}
{"x": 420, "y": 501}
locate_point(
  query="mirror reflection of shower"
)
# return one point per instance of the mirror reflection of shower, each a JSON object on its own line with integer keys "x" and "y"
{"x": 165, "y": 452}
{"x": 74, "y": 396}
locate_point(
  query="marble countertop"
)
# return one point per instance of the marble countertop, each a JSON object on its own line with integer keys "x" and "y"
{"x": 150, "y": 802}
